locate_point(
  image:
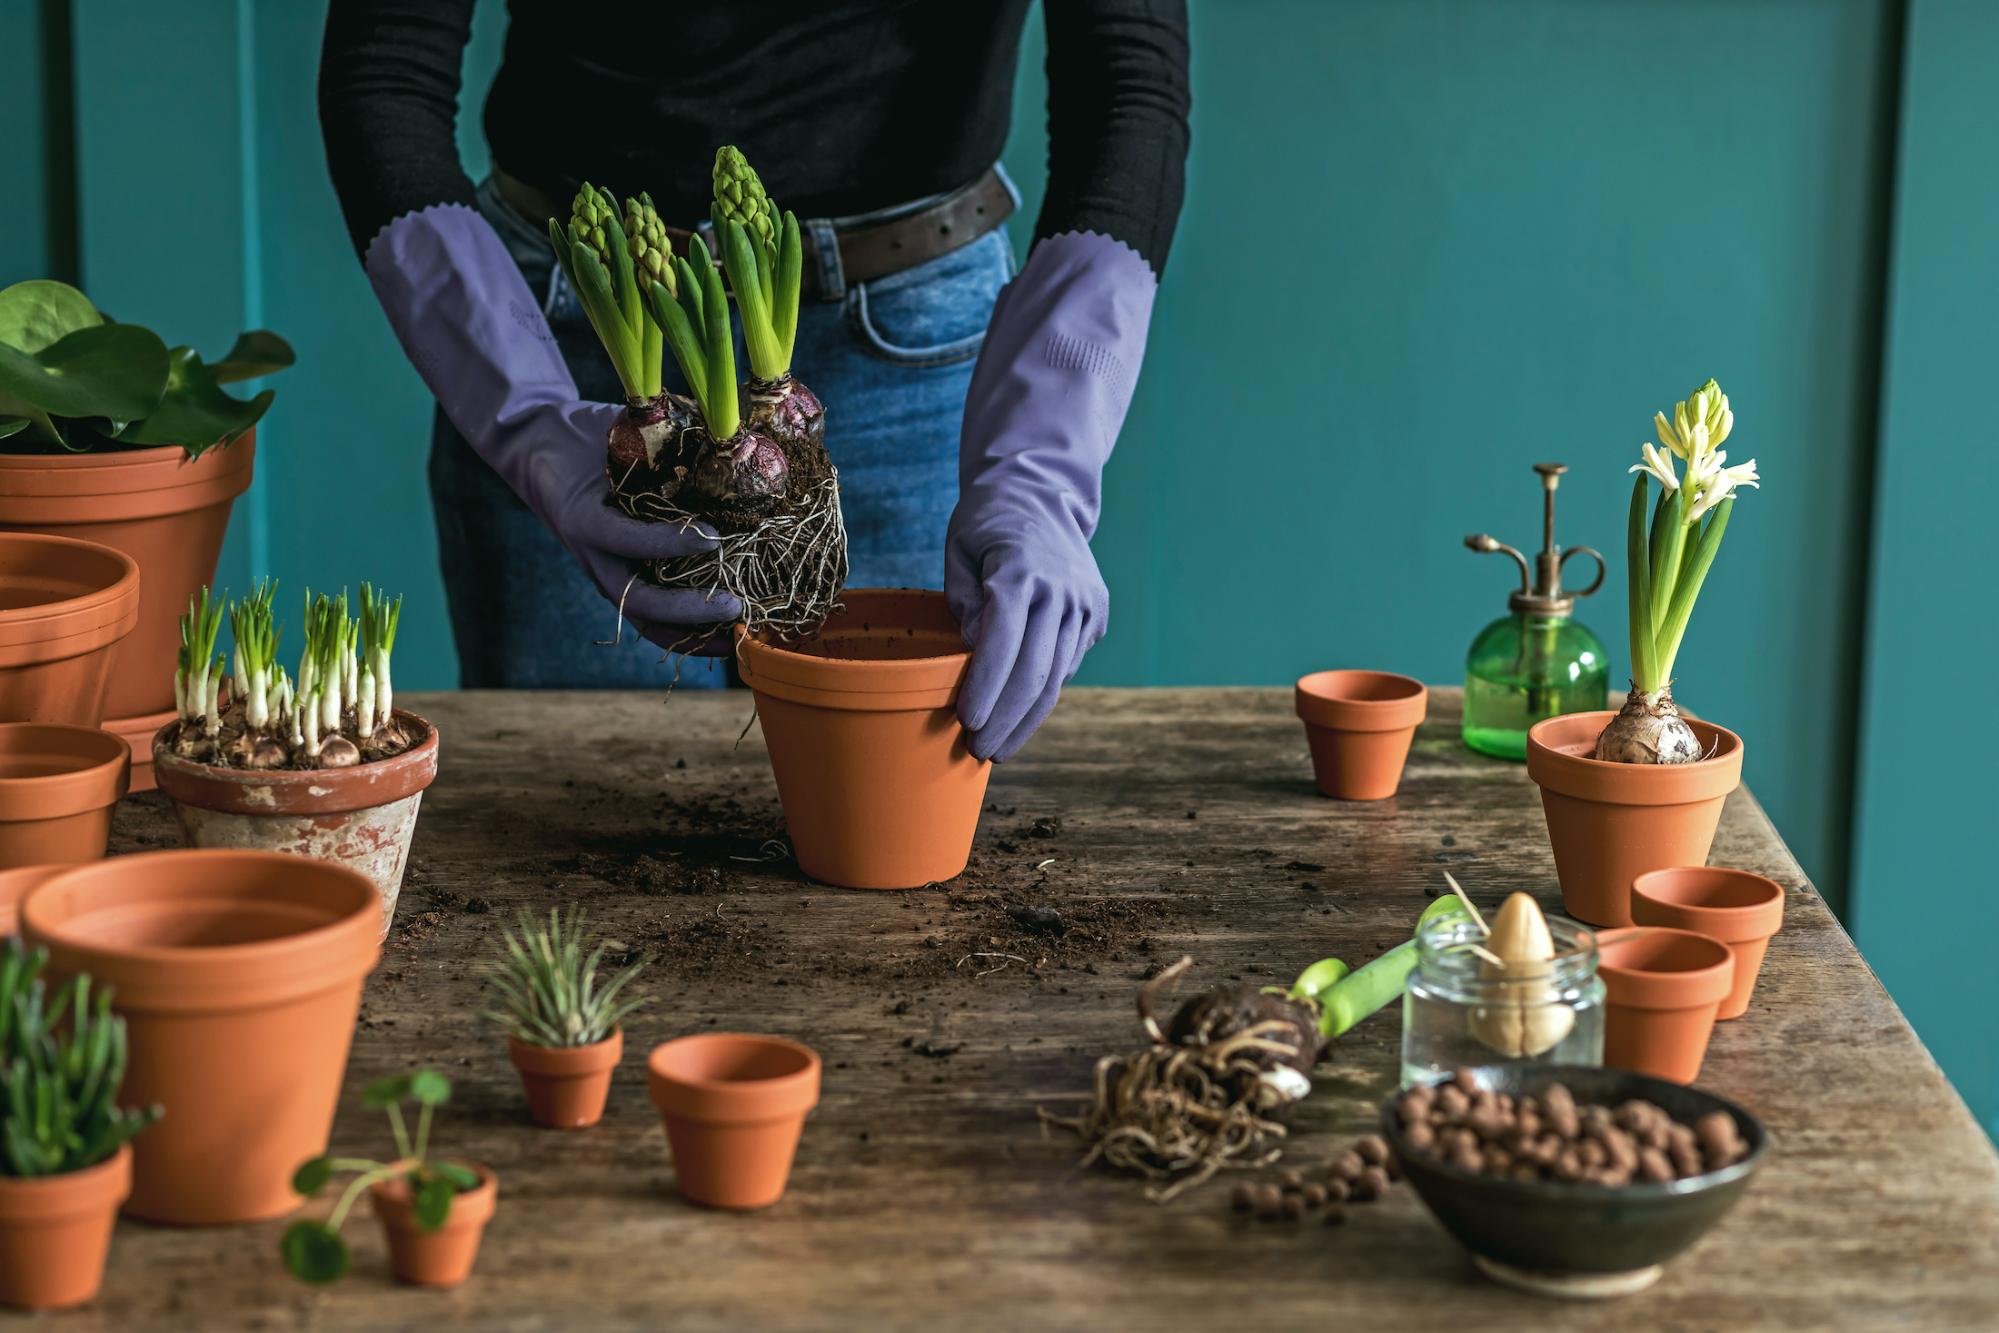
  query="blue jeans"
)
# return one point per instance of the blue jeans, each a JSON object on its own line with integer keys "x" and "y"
{"x": 890, "y": 359}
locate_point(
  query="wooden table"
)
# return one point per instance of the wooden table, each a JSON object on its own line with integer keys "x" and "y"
{"x": 925, "y": 1194}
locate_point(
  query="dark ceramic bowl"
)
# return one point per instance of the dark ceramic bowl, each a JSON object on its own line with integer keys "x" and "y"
{"x": 1555, "y": 1228}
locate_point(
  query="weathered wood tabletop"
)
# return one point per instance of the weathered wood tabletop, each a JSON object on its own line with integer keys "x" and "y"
{"x": 925, "y": 1194}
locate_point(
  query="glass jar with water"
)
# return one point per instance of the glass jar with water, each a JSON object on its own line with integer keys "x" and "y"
{"x": 1462, "y": 1010}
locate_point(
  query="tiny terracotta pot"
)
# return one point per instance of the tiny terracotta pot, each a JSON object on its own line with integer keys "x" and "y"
{"x": 137, "y": 733}
{"x": 1741, "y": 909}
{"x": 64, "y": 606}
{"x": 734, "y": 1106}
{"x": 1610, "y": 823}
{"x": 1360, "y": 724}
{"x": 362, "y": 816}
{"x": 164, "y": 510}
{"x": 1662, "y": 989}
{"x": 879, "y": 791}
{"x": 440, "y": 1258}
{"x": 57, "y": 788}
{"x": 239, "y": 978}
{"x": 15, "y": 885}
{"x": 567, "y": 1085}
{"x": 55, "y": 1232}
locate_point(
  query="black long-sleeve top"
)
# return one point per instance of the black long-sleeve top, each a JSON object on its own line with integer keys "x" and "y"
{"x": 843, "y": 106}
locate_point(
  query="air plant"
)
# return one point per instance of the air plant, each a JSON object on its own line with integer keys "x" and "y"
{"x": 549, "y": 990}
{"x": 62, "y": 1064}
{"x": 1667, "y": 565}
{"x": 313, "y": 1251}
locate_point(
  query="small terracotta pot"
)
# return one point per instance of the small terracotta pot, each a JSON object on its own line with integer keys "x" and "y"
{"x": 64, "y": 605}
{"x": 15, "y": 885}
{"x": 137, "y": 733}
{"x": 239, "y": 978}
{"x": 362, "y": 816}
{"x": 1741, "y": 909}
{"x": 734, "y": 1106}
{"x": 567, "y": 1085}
{"x": 440, "y": 1258}
{"x": 164, "y": 511}
{"x": 1662, "y": 989}
{"x": 878, "y": 788}
{"x": 55, "y": 1232}
{"x": 1359, "y": 724}
{"x": 1610, "y": 823}
{"x": 57, "y": 788}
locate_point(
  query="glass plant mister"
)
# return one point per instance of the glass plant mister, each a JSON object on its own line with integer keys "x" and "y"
{"x": 1536, "y": 661}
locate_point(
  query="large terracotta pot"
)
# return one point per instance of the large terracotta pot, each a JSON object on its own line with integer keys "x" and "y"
{"x": 239, "y": 978}
{"x": 440, "y": 1258}
{"x": 1741, "y": 909}
{"x": 734, "y": 1106}
{"x": 362, "y": 816}
{"x": 878, "y": 788}
{"x": 57, "y": 788}
{"x": 64, "y": 606}
{"x": 55, "y": 1232}
{"x": 1661, "y": 992}
{"x": 1359, "y": 725}
{"x": 1610, "y": 823}
{"x": 168, "y": 514}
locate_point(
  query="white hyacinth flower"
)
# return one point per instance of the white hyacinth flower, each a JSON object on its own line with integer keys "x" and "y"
{"x": 1743, "y": 474}
{"x": 1658, "y": 464}
{"x": 1717, "y": 490}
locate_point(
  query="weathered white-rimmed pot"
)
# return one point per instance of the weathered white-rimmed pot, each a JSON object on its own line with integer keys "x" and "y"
{"x": 360, "y": 817}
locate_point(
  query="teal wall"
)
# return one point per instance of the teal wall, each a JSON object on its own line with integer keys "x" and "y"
{"x": 1426, "y": 243}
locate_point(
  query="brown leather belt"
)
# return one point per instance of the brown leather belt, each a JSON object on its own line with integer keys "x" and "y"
{"x": 859, "y": 251}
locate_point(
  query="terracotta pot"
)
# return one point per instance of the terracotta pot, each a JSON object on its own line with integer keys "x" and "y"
{"x": 1610, "y": 823}
{"x": 1740, "y": 909}
{"x": 1662, "y": 989}
{"x": 734, "y": 1106}
{"x": 167, "y": 513}
{"x": 878, "y": 788}
{"x": 567, "y": 1085}
{"x": 239, "y": 977}
{"x": 55, "y": 1232}
{"x": 440, "y": 1258}
{"x": 57, "y": 788}
{"x": 361, "y": 816}
{"x": 64, "y": 605}
{"x": 1359, "y": 724}
{"x": 137, "y": 733}
{"x": 14, "y": 886}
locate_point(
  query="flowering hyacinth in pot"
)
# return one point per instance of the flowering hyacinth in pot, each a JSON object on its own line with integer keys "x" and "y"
{"x": 562, "y": 1022}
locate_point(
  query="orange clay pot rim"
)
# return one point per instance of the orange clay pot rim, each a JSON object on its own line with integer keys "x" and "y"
{"x": 179, "y": 766}
{"x": 483, "y": 1199}
{"x": 1319, "y": 705}
{"x": 146, "y": 456}
{"x": 105, "y": 598}
{"x": 884, "y": 675}
{"x": 309, "y": 943}
{"x": 1732, "y": 923}
{"x": 1722, "y": 967}
{"x": 567, "y": 1061}
{"x": 1319, "y": 685}
{"x": 1730, "y": 751}
{"x": 776, "y": 1082}
{"x": 92, "y": 779}
{"x": 99, "y": 1187}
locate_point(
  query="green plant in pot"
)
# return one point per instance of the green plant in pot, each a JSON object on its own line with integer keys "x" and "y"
{"x": 64, "y": 1164}
{"x": 432, "y": 1211}
{"x": 563, "y": 1020}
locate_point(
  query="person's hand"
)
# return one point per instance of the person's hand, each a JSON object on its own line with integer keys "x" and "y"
{"x": 1047, "y": 401}
{"x": 473, "y": 331}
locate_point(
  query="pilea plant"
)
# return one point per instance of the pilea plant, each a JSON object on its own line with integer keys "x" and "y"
{"x": 1667, "y": 565}
{"x": 549, "y": 990}
{"x": 747, "y": 460}
{"x": 62, "y": 1064}
{"x": 339, "y": 711}
{"x": 74, "y": 379}
{"x": 314, "y": 1251}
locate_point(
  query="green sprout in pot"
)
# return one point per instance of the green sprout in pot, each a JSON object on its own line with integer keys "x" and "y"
{"x": 314, "y": 1251}
{"x": 72, "y": 379}
{"x": 550, "y": 992}
{"x": 62, "y": 1064}
{"x": 1668, "y": 561}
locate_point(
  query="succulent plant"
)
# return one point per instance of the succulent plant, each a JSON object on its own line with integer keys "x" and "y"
{"x": 549, "y": 988}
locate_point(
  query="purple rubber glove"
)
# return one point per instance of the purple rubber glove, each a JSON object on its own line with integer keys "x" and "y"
{"x": 472, "y": 330}
{"x": 1048, "y": 398}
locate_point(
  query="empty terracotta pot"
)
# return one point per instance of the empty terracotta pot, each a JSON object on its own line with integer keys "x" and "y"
{"x": 1359, "y": 724}
{"x": 55, "y": 1232}
{"x": 567, "y": 1085}
{"x": 440, "y": 1258}
{"x": 1662, "y": 989}
{"x": 14, "y": 886}
{"x": 734, "y": 1105}
{"x": 361, "y": 817}
{"x": 137, "y": 733}
{"x": 64, "y": 605}
{"x": 1741, "y": 909}
{"x": 878, "y": 788}
{"x": 239, "y": 978}
{"x": 57, "y": 788}
{"x": 1610, "y": 823}
{"x": 166, "y": 512}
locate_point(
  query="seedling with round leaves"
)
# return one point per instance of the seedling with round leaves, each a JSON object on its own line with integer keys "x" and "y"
{"x": 549, "y": 991}
{"x": 314, "y": 1251}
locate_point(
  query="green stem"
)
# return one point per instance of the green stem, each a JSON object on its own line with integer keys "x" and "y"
{"x": 719, "y": 405}
{"x": 355, "y": 1188}
{"x": 396, "y": 1127}
{"x": 1644, "y": 652}
{"x": 739, "y": 256}
{"x": 784, "y": 299}
{"x": 1682, "y": 609}
{"x": 422, "y": 1132}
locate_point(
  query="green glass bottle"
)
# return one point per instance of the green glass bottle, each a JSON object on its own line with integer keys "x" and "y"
{"x": 1536, "y": 661}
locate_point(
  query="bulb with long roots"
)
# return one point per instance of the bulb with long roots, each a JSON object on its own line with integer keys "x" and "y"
{"x": 1649, "y": 730}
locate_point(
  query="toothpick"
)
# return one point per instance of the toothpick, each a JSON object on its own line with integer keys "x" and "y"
{"x": 1464, "y": 898}
{"x": 1488, "y": 955}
